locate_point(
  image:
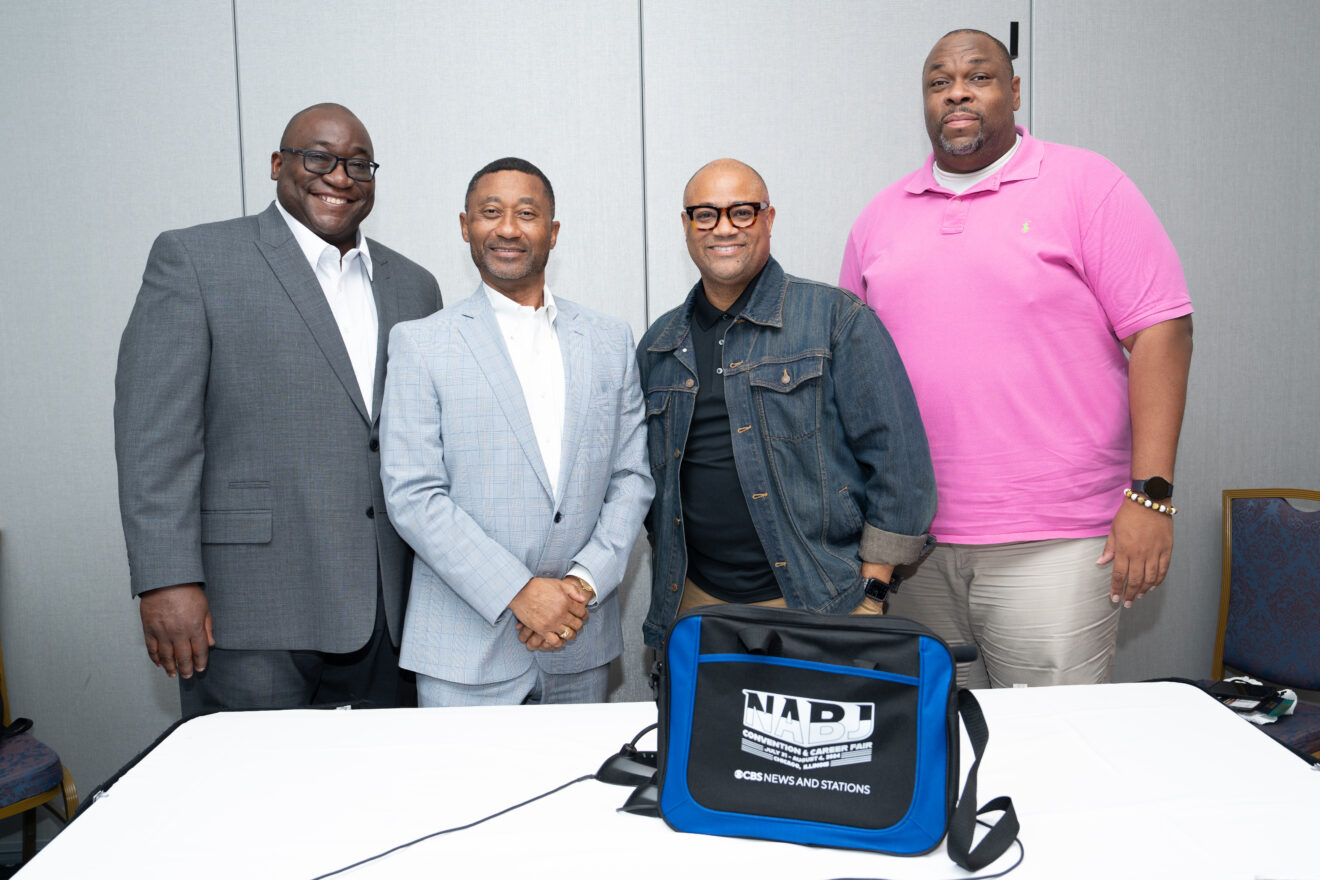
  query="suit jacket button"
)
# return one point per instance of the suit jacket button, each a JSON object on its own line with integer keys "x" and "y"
{"x": 559, "y": 517}
{"x": 371, "y": 513}
{"x": 374, "y": 444}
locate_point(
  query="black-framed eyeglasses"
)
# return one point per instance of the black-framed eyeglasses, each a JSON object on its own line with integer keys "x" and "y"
{"x": 320, "y": 162}
{"x": 740, "y": 214}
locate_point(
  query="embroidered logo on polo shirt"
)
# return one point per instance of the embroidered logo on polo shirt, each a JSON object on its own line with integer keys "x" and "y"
{"x": 1026, "y": 225}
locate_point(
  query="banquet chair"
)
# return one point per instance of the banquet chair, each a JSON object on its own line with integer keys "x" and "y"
{"x": 31, "y": 775}
{"x": 1269, "y": 601}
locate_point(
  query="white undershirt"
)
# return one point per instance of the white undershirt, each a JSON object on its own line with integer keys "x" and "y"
{"x": 346, "y": 283}
{"x": 533, "y": 343}
{"x": 960, "y": 183}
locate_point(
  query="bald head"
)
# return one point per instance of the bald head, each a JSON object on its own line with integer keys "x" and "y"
{"x": 727, "y": 256}
{"x": 726, "y": 166}
{"x": 316, "y": 110}
{"x": 998, "y": 47}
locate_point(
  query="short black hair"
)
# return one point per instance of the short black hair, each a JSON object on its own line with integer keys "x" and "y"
{"x": 1003, "y": 50}
{"x": 511, "y": 163}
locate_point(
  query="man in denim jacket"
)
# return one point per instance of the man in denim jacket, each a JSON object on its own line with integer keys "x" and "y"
{"x": 790, "y": 463}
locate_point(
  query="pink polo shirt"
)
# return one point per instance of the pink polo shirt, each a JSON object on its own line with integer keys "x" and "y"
{"x": 1007, "y": 304}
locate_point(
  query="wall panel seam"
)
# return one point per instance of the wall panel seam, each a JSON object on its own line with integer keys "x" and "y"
{"x": 238, "y": 108}
{"x": 641, "y": 116}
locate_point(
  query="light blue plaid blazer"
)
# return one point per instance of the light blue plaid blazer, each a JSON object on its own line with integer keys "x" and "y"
{"x": 466, "y": 487}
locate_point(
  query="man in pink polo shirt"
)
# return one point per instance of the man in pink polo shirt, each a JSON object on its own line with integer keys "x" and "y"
{"x": 1043, "y": 317}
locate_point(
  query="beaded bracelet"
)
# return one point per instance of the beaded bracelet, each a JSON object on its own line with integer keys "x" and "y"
{"x": 1167, "y": 509}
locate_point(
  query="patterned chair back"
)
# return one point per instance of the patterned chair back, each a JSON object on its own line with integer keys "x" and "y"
{"x": 1269, "y": 613}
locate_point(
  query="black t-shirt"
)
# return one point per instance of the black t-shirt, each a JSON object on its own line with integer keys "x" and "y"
{"x": 725, "y": 556}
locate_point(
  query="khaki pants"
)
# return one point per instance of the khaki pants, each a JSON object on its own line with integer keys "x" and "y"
{"x": 1039, "y": 611}
{"x": 694, "y": 597}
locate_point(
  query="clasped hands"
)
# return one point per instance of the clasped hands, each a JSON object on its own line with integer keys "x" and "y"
{"x": 550, "y": 612}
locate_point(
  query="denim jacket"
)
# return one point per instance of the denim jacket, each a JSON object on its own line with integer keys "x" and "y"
{"x": 827, "y": 440}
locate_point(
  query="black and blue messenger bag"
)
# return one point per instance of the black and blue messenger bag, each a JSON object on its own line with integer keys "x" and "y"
{"x": 828, "y": 730}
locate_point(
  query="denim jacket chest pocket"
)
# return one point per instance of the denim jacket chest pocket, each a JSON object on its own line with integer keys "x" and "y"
{"x": 787, "y": 396}
{"x": 659, "y": 418}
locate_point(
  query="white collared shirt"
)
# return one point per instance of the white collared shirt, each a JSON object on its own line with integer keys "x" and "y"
{"x": 533, "y": 344}
{"x": 531, "y": 337}
{"x": 346, "y": 283}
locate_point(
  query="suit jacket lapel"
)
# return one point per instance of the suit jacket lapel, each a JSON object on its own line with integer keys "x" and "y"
{"x": 482, "y": 335}
{"x": 387, "y": 314}
{"x": 575, "y": 350}
{"x": 286, "y": 260}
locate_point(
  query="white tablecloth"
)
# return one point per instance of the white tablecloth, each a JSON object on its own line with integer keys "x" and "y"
{"x": 1113, "y": 781}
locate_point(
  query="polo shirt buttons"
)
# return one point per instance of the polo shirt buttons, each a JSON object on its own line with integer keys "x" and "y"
{"x": 954, "y": 220}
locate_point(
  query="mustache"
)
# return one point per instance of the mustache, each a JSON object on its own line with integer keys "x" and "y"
{"x": 965, "y": 110}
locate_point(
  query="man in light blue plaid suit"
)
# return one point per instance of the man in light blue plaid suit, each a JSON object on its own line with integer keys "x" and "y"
{"x": 513, "y": 455}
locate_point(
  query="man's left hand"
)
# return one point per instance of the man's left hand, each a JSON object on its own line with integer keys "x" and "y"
{"x": 533, "y": 640}
{"x": 1140, "y": 543}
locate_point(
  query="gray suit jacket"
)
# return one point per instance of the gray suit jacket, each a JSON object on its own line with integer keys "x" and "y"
{"x": 246, "y": 457}
{"x": 467, "y": 488}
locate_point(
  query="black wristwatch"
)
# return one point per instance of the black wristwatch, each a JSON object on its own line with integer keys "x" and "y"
{"x": 1156, "y": 488}
{"x": 879, "y": 590}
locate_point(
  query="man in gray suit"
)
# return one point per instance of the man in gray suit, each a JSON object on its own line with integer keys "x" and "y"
{"x": 246, "y": 434}
{"x": 514, "y": 455}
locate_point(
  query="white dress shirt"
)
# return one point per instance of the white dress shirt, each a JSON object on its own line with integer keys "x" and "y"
{"x": 346, "y": 282}
{"x": 533, "y": 344}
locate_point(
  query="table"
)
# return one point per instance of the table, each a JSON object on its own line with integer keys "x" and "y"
{"x": 1114, "y": 781}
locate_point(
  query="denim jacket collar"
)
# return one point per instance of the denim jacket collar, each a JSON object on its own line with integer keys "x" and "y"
{"x": 765, "y": 307}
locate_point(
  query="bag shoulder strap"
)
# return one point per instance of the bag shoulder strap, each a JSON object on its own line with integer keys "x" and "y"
{"x": 961, "y": 827}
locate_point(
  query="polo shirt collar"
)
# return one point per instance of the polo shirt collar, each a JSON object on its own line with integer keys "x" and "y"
{"x": 764, "y": 306}
{"x": 706, "y": 315}
{"x": 1024, "y": 165}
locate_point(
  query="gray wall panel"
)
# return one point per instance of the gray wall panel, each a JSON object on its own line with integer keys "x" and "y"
{"x": 122, "y": 123}
{"x": 826, "y": 106}
{"x": 445, "y": 88}
{"x": 1190, "y": 107}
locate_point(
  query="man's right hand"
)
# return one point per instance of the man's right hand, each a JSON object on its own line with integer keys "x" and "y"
{"x": 176, "y": 624}
{"x": 551, "y": 608}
